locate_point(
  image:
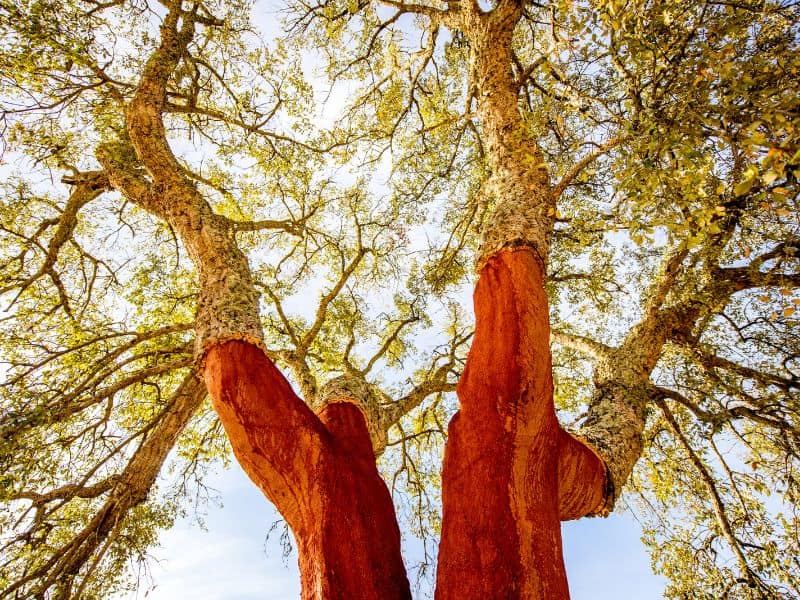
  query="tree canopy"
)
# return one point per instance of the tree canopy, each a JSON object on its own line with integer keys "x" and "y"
{"x": 347, "y": 159}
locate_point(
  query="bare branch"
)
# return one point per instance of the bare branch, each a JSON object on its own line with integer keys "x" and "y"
{"x": 588, "y": 346}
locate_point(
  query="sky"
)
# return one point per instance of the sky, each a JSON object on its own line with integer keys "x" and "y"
{"x": 230, "y": 561}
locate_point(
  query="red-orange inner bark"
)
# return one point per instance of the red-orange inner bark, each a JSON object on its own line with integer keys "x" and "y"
{"x": 318, "y": 471}
{"x": 510, "y": 474}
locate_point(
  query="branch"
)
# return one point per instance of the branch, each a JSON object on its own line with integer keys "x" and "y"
{"x": 67, "y": 492}
{"x": 88, "y": 186}
{"x": 388, "y": 342}
{"x": 748, "y": 278}
{"x": 709, "y": 360}
{"x": 130, "y": 489}
{"x": 446, "y": 17}
{"x": 657, "y": 294}
{"x": 293, "y": 226}
{"x": 584, "y": 162}
{"x": 434, "y": 383}
{"x": 325, "y": 301}
{"x": 437, "y": 384}
{"x": 716, "y": 499}
{"x": 582, "y": 344}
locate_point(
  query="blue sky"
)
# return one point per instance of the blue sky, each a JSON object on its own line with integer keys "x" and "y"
{"x": 229, "y": 561}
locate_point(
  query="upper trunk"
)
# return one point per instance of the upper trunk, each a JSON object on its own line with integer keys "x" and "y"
{"x": 518, "y": 184}
{"x": 510, "y": 474}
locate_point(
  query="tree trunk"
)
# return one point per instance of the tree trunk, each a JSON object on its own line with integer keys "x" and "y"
{"x": 511, "y": 474}
{"x": 320, "y": 473}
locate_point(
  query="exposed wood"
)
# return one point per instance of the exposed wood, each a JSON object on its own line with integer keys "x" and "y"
{"x": 510, "y": 472}
{"x": 319, "y": 472}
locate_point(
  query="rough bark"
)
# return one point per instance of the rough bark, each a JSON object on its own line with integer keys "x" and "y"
{"x": 624, "y": 394}
{"x": 319, "y": 471}
{"x": 228, "y": 300}
{"x": 511, "y": 474}
{"x": 366, "y": 398}
{"x": 518, "y": 185}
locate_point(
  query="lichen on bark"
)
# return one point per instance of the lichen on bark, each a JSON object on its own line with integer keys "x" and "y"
{"x": 518, "y": 185}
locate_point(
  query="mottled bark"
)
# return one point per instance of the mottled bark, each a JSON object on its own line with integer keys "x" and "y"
{"x": 365, "y": 397}
{"x": 617, "y": 411}
{"x": 518, "y": 185}
{"x": 624, "y": 394}
{"x": 228, "y": 301}
{"x": 679, "y": 299}
{"x": 511, "y": 474}
{"x": 319, "y": 471}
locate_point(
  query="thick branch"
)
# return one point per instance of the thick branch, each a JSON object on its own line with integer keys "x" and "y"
{"x": 583, "y": 344}
{"x": 130, "y": 488}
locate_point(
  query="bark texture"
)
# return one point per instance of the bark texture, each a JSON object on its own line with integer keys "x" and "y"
{"x": 228, "y": 300}
{"x": 624, "y": 394}
{"x": 511, "y": 474}
{"x": 365, "y": 398}
{"x": 519, "y": 184}
{"x": 319, "y": 471}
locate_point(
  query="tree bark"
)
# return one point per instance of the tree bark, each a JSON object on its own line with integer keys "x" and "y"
{"x": 511, "y": 474}
{"x": 319, "y": 471}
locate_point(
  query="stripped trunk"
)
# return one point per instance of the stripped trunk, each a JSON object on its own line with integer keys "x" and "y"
{"x": 318, "y": 470}
{"x": 511, "y": 474}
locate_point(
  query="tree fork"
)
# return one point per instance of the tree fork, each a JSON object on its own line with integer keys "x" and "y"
{"x": 501, "y": 535}
{"x": 319, "y": 471}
